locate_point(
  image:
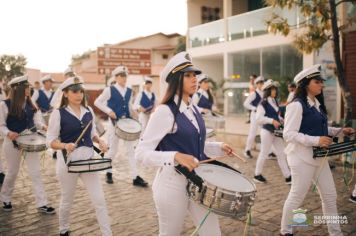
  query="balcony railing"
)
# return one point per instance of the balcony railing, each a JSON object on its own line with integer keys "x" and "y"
{"x": 246, "y": 25}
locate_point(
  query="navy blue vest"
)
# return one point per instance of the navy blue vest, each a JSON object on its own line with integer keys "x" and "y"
{"x": 204, "y": 102}
{"x": 146, "y": 102}
{"x": 270, "y": 112}
{"x": 17, "y": 125}
{"x": 186, "y": 139}
{"x": 314, "y": 123}
{"x": 257, "y": 99}
{"x": 72, "y": 127}
{"x": 43, "y": 101}
{"x": 119, "y": 104}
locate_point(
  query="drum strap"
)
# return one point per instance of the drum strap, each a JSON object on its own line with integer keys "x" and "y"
{"x": 15, "y": 144}
{"x": 218, "y": 163}
{"x": 191, "y": 176}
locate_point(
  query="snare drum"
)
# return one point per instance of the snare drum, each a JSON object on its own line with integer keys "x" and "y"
{"x": 128, "y": 129}
{"x": 209, "y": 133}
{"x": 278, "y": 133}
{"x": 32, "y": 142}
{"x": 225, "y": 191}
{"x": 89, "y": 165}
{"x": 214, "y": 122}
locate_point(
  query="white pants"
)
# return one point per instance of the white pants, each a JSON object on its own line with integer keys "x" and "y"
{"x": 354, "y": 191}
{"x": 2, "y": 168}
{"x": 268, "y": 140}
{"x": 252, "y": 132}
{"x": 172, "y": 205}
{"x": 13, "y": 160}
{"x": 129, "y": 150}
{"x": 302, "y": 176}
{"x": 143, "y": 119}
{"x": 68, "y": 185}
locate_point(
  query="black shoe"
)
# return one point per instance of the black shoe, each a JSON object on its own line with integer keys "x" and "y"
{"x": 289, "y": 180}
{"x": 47, "y": 210}
{"x": 7, "y": 206}
{"x": 259, "y": 179}
{"x": 272, "y": 154}
{"x": 2, "y": 177}
{"x": 248, "y": 154}
{"x": 54, "y": 155}
{"x": 64, "y": 234}
{"x": 352, "y": 198}
{"x": 139, "y": 182}
{"x": 286, "y": 234}
{"x": 109, "y": 178}
{"x": 248, "y": 122}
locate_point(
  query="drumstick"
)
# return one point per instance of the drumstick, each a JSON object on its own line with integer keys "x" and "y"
{"x": 241, "y": 158}
{"x": 83, "y": 132}
{"x": 209, "y": 160}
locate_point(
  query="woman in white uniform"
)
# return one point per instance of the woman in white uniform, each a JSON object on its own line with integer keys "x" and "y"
{"x": 66, "y": 124}
{"x": 267, "y": 115}
{"x": 306, "y": 126}
{"x": 18, "y": 114}
{"x": 203, "y": 98}
{"x": 175, "y": 134}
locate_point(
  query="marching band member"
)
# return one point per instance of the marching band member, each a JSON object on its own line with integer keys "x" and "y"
{"x": 305, "y": 127}
{"x": 267, "y": 115}
{"x": 174, "y": 134}
{"x": 18, "y": 113}
{"x": 43, "y": 97}
{"x": 251, "y": 104}
{"x": 203, "y": 98}
{"x": 2, "y": 169}
{"x": 291, "y": 90}
{"x": 116, "y": 102}
{"x": 65, "y": 125}
{"x": 145, "y": 103}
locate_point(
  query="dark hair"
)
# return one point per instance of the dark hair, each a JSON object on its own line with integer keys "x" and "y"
{"x": 268, "y": 92}
{"x": 18, "y": 99}
{"x": 254, "y": 76}
{"x": 302, "y": 93}
{"x": 65, "y": 102}
{"x": 175, "y": 84}
{"x": 292, "y": 85}
{"x": 210, "y": 96}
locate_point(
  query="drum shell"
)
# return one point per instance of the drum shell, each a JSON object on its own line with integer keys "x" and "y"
{"x": 90, "y": 165}
{"x": 32, "y": 148}
{"x": 125, "y": 135}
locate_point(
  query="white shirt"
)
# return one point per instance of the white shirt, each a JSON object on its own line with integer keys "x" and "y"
{"x": 290, "y": 97}
{"x": 260, "y": 114}
{"x": 299, "y": 144}
{"x": 36, "y": 94}
{"x": 159, "y": 125}
{"x": 54, "y": 128}
{"x": 102, "y": 101}
{"x": 37, "y": 119}
{"x": 250, "y": 98}
{"x": 138, "y": 98}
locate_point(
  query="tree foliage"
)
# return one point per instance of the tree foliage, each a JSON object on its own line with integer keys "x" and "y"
{"x": 11, "y": 66}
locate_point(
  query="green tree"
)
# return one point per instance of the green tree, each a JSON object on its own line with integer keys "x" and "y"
{"x": 11, "y": 66}
{"x": 320, "y": 26}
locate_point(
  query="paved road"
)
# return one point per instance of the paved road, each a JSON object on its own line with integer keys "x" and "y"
{"x": 132, "y": 210}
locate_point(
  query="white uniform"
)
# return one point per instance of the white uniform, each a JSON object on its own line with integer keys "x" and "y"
{"x": 101, "y": 103}
{"x": 169, "y": 187}
{"x": 290, "y": 97}
{"x": 268, "y": 139}
{"x": 305, "y": 169}
{"x": 196, "y": 98}
{"x": 68, "y": 181}
{"x": 253, "y": 124}
{"x": 13, "y": 160}
{"x": 142, "y": 116}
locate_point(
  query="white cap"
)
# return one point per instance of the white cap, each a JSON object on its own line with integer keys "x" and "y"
{"x": 148, "y": 79}
{"x": 202, "y": 77}
{"x": 56, "y": 99}
{"x": 68, "y": 71}
{"x": 269, "y": 83}
{"x": 47, "y": 77}
{"x": 310, "y": 72}
{"x": 18, "y": 80}
{"x": 119, "y": 70}
{"x": 259, "y": 79}
{"x": 179, "y": 62}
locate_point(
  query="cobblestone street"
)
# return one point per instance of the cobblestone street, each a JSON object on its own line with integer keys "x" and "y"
{"x": 132, "y": 209}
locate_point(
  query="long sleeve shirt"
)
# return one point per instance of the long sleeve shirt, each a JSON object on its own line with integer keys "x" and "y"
{"x": 250, "y": 98}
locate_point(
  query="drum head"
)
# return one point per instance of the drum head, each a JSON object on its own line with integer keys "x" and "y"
{"x": 129, "y": 125}
{"x": 31, "y": 139}
{"x": 224, "y": 178}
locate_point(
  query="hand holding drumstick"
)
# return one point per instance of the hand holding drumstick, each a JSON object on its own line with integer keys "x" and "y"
{"x": 228, "y": 151}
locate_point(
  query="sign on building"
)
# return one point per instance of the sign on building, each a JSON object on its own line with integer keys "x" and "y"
{"x": 138, "y": 61}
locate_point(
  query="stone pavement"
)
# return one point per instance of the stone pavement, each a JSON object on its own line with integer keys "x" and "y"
{"x": 132, "y": 209}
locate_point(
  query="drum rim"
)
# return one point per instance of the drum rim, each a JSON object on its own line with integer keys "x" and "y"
{"x": 121, "y": 130}
{"x": 227, "y": 190}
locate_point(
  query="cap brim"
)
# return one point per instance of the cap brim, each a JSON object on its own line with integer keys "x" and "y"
{"x": 192, "y": 69}
{"x": 75, "y": 87}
